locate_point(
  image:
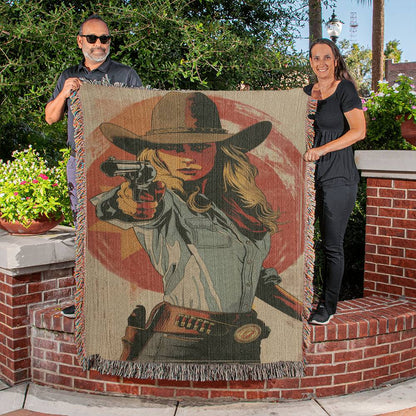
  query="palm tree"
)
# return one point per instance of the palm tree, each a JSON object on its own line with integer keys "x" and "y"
{"x": 315, "y": 20}
{"x": 377, "y": 42}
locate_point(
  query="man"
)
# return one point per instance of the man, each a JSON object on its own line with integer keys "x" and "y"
{"x": 94, "y": 40}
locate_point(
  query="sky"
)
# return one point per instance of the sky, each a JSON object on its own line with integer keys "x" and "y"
{"x": 399, "y": 24}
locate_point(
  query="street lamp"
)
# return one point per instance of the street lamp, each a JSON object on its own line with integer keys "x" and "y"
{"x": 334, "y": 27}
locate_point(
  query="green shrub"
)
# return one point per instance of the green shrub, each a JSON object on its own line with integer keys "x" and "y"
{"x": 30, "y": 187}
{"x": 385, "y": 110}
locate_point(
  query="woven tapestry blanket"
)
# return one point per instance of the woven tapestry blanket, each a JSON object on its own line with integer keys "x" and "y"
{"x": 193, "y": 257}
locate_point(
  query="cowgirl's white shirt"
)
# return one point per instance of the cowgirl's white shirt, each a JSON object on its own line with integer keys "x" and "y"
{"x": 205, "y": 261}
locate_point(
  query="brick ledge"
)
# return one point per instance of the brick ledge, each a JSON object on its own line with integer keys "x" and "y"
{"x": 51, "y": 319}
{"x": 357, "y": 318}
{"x": 334, "y": 366}
{"x": 365, "y": 317}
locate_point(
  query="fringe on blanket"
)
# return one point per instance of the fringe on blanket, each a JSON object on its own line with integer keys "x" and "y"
{"x": 184, "y": 371}
{"x": 80, "y": 224}
{"x": 195, "y": 372}
{"x": 309, "y": 224}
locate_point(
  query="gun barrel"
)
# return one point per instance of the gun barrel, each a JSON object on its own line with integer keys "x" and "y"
{"x": 113, "y": 167}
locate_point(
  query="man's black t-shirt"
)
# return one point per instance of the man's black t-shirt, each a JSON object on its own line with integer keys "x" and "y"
{"x": 110, "y": 72}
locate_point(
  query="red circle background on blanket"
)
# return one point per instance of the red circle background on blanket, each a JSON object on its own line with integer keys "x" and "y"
{"x": 280, "y": 177}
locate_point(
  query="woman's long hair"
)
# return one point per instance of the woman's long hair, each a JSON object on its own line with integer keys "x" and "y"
{"x": 341, "y": 70}
{"x": 233, "y": 174}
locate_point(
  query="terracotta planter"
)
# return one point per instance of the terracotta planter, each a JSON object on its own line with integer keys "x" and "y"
{"x": 39, "y": 226}
{"x": 408, "y": 130}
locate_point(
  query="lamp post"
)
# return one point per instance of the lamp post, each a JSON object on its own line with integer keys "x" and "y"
{"x": 334, "y": 27}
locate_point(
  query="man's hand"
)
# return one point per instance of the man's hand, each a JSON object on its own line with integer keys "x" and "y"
{"x": 55, "y": 109}
{"x": 70, "y": 85}
{"x": 146, "y": 208}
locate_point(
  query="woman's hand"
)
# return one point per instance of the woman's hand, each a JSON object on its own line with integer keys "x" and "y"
{"x": 312, "y": 155}
{"x": 145, "y": 209}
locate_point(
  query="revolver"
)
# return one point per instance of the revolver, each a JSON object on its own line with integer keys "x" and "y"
{"x": 139, "y": 174}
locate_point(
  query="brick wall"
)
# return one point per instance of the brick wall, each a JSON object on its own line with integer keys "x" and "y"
{"x": 369, "y": 342}
{"x": 392, "y": 70}
{"x": 390, "y": 259}
{"x": 18, "y": 295}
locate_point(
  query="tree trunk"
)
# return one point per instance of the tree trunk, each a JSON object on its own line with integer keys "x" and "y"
{"x": 315, "y": 20}
{"x": 378, "y": 42}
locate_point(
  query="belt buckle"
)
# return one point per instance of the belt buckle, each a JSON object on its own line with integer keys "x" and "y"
{"x": 247, "y": 333}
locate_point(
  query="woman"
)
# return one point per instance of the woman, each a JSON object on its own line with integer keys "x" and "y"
{"x": 339, "y": 123}
{"x": 206, "y": 227}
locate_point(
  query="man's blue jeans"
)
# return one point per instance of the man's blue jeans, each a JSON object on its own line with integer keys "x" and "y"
{"x": 72, "y": 187}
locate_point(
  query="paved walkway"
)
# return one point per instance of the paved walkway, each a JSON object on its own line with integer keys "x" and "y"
{"x": 33, "y": 400}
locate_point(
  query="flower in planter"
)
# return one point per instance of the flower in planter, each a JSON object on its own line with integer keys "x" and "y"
{"x": 386, "y": 110}
{"x": 398, "y": 100}
{"x": 30, "y": 188}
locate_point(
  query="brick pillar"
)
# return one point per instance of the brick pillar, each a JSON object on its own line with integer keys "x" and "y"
{"x": 390, "y": 255}
{"x": 390, "y": 252}
{"x": 34, "y": 271}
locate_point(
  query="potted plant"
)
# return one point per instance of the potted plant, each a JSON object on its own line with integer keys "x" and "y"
{"x": 33, "y": 194}
{"x": 393, "y": 106}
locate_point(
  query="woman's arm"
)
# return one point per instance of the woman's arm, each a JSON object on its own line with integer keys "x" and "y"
{"x": 357, "y": 131}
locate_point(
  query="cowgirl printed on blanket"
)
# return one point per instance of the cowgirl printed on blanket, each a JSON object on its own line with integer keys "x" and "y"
{"x": 192, "y": 231}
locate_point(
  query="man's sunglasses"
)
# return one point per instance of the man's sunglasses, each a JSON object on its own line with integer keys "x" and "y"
{"x": 93, "y": 38}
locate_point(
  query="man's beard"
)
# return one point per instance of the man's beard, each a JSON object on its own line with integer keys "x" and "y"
{"x": 95, "y": 58}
